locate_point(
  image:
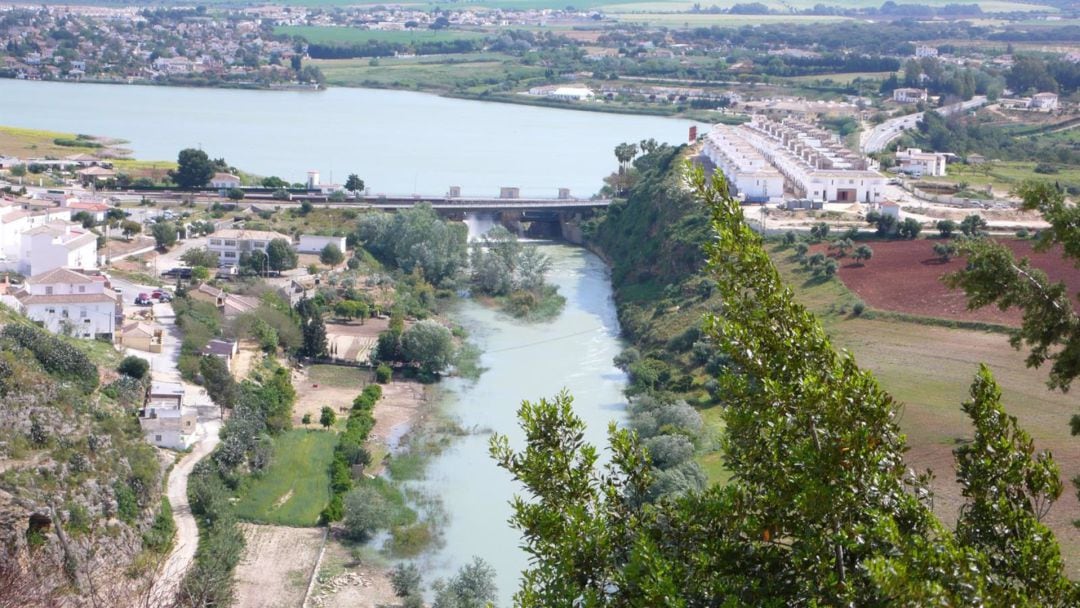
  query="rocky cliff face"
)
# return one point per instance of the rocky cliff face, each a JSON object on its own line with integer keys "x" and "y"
{"x": 78, "y": 484}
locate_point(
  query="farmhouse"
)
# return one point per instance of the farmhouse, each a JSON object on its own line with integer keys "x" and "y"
{"x": 224, "y": 181}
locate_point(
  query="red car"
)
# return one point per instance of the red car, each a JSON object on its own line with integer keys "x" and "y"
{"x": 161, "y": 296}
{"x": 143, "y": 300}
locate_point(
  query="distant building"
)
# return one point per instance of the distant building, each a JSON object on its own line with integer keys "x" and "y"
{"x": 142, "y": 336}
{"x": 225, "y": 350}
{"x": 925, "y": 51}
{"x": 310, "y": 243}
{"x": 57, "y": 245}
{"x": 1045, "y": 102}
{"x": 748, "y": 173}
{"x": 229, "y": 304}
{"x": 231, "y": 244}
{"x": 909, "y": 95}
{"x": 917, "y": 163}
{"x": 68, "y": 302}
{"x": 891, "y": 209}
{"x": 224, "y": 181}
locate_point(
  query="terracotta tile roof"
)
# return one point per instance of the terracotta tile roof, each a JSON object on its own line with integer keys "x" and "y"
{"x": 59, "y": 275}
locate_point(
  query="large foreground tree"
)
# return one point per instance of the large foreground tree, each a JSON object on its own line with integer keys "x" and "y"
{"x": 820, "y": 509}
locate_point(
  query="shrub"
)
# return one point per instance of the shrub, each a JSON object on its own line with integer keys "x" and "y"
{"x": 366, "y": 512}
{"x": 55, "y": 355}
{"x": 858, "y": 309}
{"x": 383, "y": 373}
{"x": 135, "y": 367}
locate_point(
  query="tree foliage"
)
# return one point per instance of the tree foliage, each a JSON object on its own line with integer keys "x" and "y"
{"x": 416, "y": 238}
{"x": 281, "y": 255}
{"x": 194, "y": 169}
{"x": 820, "y": 509}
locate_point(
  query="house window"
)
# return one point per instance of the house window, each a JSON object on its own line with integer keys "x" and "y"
{"x": 230, "y": 243}
{"x": 157, "y": 437}
{"x": 259, "y": 244}
{"x": 215, "y": 242}
{"x": 82, "y": 289}
{"x": 82, "y": 313}
{"x": 230, "y": 254}
{"x": 48, "y": 291}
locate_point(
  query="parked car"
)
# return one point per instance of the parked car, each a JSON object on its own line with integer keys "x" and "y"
{"x": 161, "y": 296}
{"x": 183, "y": 273}
{"x": 143, "y": 299}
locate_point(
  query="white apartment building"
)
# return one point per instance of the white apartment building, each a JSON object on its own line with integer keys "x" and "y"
{"x": 917, "y": 163}
{"x": 165, "y": 420}
{"x": 815, "y": 164}
{"x": 231, "y": 244}
{"x": 14, "y": 221}
{"x": 909, "y": 95}
{"x": 71, "y": 303}
{"x": 57, "y": 244}
{"x": 747, "y": 171}
{"x": 925, "y": 51}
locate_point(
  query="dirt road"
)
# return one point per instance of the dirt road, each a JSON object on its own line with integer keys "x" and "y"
{"x": 187, "y": 532}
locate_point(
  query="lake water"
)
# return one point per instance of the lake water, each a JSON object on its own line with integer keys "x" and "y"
{"x": 525, "y": 361}
{"x": 398, "y": 142}
{"x": 409, "y": 142}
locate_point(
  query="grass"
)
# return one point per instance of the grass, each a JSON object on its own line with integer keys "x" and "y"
{"x": 350, "y": 35}
{"x": 1004, "y": 175}
{"x": 296, "y": 486}
{"x": 475, "y": 72}
{"x": 339, "y": 376}
{"x": 843, "y": 78}
{"x": 23, "y": 143}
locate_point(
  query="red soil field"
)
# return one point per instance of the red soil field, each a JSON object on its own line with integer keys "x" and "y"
{"x": 905, "y": 276}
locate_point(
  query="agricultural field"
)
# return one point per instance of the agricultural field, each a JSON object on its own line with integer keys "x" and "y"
{"x": 844, "y": 78}
{"x": 707, "y": 20}
{"x": 905, "y": 277}
{"x": 435, "y": 72}
{"x": 349, "y": 35}
{"x": 1003, "y": 176}
{"x": 296, "y": 487}
{"x": 278, "y": 563}
{"x": 928, "y": 369}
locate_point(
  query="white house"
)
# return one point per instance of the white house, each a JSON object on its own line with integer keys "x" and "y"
{"x": 908, "y": 95}
{"x": 914, "y": 161}
{"x": 165, "y": 420}
{"x": 1045, "y": 102}
{"x": 14, "y": 221}
{"x": 224, "y": 181}
{"x": 310, "y": 243}
{"x": 57, "y": 245}
{"x": 72, "y": 303}
{"x": 231, "y": 244}
{"x": 890, "y": 208}
{"x": 925, "y": 51}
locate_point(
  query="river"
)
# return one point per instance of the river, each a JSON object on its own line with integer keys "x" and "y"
{"x": 398, "y": 142}
{"x": 524, "y": 361}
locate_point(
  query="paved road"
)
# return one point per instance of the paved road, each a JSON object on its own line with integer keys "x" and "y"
{"x": 881, "y": 135}
{"x": 187, "y": 531}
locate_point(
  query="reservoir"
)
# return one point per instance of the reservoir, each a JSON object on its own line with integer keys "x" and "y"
{"x": 401, "y": 142}
{"x": 398, "y": 142}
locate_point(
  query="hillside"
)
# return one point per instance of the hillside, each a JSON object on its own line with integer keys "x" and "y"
{"x": 79, "y": 487}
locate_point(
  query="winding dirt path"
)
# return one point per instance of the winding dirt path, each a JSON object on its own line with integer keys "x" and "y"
{"x": 187, "y": 532}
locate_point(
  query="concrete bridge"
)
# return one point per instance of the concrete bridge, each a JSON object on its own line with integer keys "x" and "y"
{"x": 473, "y": 203}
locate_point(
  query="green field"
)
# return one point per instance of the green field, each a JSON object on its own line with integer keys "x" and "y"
{"x": 430, "y": 73}
{"x": 350, "y": 35}
{"x": 1003, "y": 176}
{"x": 844, "y": 78}
{"x": 296, "y": 487}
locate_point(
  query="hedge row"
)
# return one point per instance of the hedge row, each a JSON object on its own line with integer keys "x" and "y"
{"x": 350, "y": 450}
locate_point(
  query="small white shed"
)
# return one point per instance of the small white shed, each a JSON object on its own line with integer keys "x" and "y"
{"x": 310, "y": 243}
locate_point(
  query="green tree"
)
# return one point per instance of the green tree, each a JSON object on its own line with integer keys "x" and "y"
{"x": 973, "y": 225}
{"x": 219, "y": 383}
{"x": 909, "y": 228}
{"x": 405, "y": 578}
{"x": 331, "y": 255}
{"x": 235, "y": 194}
{"x": 472, "y": 587}
{"x": 354, "y": 184}
{"x": 819, "y": 509}
{"x": 819, "y": 231}
{"x": 281, "y": 255}
{"x": 133, "y": 366}
{"x": 429, "y": 345}
{"x": 945, "y": 251}
{"x": 327, "y": 417}
{"x": 164, "y": 234}
{"x": 314, "y": 330}
{"x": 130, "y": 228}
{"x": 194, "y": 169}
{"x": 200, "y": 256}
{"x": 946, "y": 228}
{"x": 863, "y": 253}
{"x": 842, "y": 247}
{"x": 273, "y": 182}
{"x": 366, "y": 512}
{"x": 200, "y": 274}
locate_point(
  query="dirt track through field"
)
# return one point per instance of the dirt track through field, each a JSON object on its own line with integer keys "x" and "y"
{"x": 277, "y": 565}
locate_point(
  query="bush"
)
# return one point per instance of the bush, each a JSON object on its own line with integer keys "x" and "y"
{"x": 135, "y": 367}
{"x": 366, "y": 512}
{"x": 383, "y": 373}
{"x": 55, "y": 355}
{"x": 160, "y": 535}
{"x": 858, "y": 309}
